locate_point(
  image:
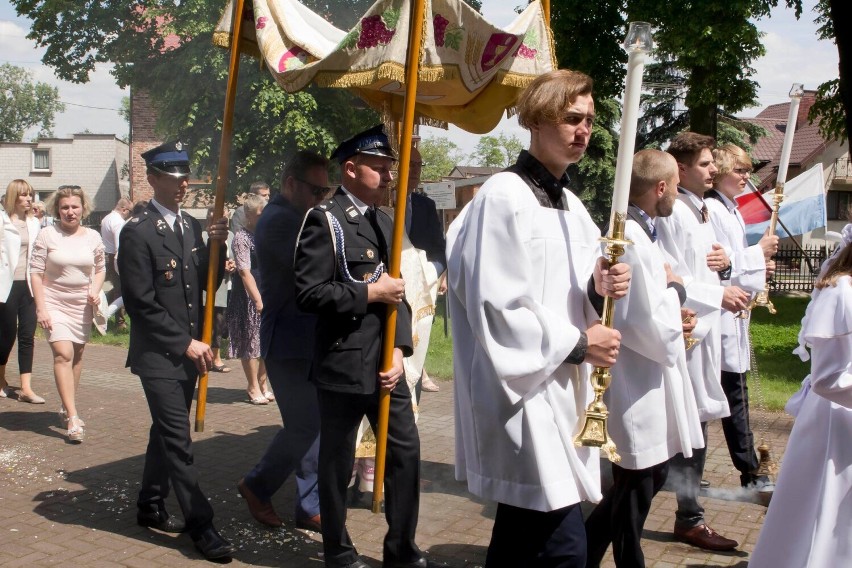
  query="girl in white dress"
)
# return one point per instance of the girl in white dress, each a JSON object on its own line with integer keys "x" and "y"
{"x": 809, "y": 522}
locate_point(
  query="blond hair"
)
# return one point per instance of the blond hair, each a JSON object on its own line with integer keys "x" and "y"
{"x": 550, "y": 95}
{"x": 15, "y": 189}
{"x": 65, "y": 192}
{"x": 730, "y": 156}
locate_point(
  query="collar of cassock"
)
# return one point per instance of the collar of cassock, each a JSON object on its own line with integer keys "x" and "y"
{"x": 542, "y": 177}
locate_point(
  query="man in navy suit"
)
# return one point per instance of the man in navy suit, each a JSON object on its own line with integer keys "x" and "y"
{"x": 287, "y": 346}
{"x": 340, "y": 276}
{"x": 163, "y": 267}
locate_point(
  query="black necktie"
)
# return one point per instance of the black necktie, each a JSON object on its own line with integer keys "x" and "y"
{"x": 179, "y": 231}
{"x": 380, "y": 236}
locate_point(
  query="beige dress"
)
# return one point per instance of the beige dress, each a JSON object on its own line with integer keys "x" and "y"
{"x": 68, "y": 263}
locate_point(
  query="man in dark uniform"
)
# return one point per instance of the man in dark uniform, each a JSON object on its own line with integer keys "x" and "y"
{"x": 287, "y": 347}
{"x": 340, "y": 259}
{"x": 163, "y": 267}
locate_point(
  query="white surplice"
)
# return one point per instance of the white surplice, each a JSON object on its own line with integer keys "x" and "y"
{"x": 687, "y": 242}
{"x": 809, "y": 521}
{"x": 748, "y": 271}
{"x": 653, "y": 414}
{"x": 518, "y": 275}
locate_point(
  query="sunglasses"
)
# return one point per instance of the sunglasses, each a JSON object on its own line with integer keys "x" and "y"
{"x": 316, "y": 190}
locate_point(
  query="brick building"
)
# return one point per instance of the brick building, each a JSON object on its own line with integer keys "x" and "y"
{"x": 95, "y": 162}
{"x": 143, "y": 121}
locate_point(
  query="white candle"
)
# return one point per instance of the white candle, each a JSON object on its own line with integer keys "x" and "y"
{"x": 638, "y": 43}
{"x": 786, "y": 149}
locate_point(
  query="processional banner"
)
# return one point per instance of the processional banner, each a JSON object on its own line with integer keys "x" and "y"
{"x": 470, "y": 70}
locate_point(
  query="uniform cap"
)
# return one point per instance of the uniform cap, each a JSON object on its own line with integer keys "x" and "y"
{"x": 169, "y": 158}
{"x": 373, "y": 142}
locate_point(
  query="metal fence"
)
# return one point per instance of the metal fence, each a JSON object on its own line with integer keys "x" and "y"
{"x": 795, "y": 269}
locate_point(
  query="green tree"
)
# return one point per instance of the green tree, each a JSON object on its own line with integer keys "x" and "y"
{"x": 440, "y": 156}
{"x": 187, "y": 82}
{"x": 832, "y": 110}
{"x": 497, "y": 151}
{"x": 25, "y": 104}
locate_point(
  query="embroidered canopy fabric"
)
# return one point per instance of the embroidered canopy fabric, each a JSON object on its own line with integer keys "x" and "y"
{"x": 470, "y": 70}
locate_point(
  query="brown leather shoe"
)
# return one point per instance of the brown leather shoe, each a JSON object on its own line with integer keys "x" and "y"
{"x": 704, "y": 537}
{"x": 309, "y": 523}
{"x": 262, "y": 512}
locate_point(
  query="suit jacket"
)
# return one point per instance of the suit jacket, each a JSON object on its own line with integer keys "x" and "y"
{"x": 349, "y": 330}
{"x": 161, "y": 283}
{"x": 10, "y": 251}
{"x": 426, "y": 232}
{"x": 286, "y": 332}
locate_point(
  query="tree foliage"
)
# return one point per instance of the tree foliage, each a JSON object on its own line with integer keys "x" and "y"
{"x": 187, "y": 82}
{"x": 832, "y": 110}
{"x": 25, "y": 104}
{"x": 497, "y": 151}
{"x": 440, "y": 155}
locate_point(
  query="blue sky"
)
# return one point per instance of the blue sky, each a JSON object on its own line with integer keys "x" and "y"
{"x": 793, "y": 55}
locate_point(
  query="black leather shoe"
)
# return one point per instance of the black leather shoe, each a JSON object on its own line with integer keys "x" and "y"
{"x": 419, "y": 563}
{"x": 161, "y": 521}
{"x": 357, "y": 564}
{"x": 213, "y": 545}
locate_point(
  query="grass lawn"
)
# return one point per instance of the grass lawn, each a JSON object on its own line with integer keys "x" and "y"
{"x": 774, "y": 337}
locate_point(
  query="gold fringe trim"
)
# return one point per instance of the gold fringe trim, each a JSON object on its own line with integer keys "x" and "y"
{"x": 222, "y": 39}
{"x": 389, "y": 70}
{"x": 423, "y": 312}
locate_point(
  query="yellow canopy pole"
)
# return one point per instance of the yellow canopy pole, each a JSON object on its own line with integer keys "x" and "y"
{"x": 219, "y": 202}
{"x": 412, "y": 67}
{"x": 545, "y": 9}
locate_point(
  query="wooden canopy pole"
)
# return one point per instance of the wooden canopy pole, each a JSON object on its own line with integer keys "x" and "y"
{"x": 219, "y": 202}
{"x": 545, "y": 10}
{"x": 412, "y": 68}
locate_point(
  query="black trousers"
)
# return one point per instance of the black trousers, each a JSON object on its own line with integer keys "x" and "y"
{"x": 340, "y": 415}
{"x": 18, "y": 318}
{"x": 620, "y": 516}
{"x": 736, "y": 427}
{"x": 685, "y": 480}
{"x": 169, "y": 455}
{"x": 536, "y": 539}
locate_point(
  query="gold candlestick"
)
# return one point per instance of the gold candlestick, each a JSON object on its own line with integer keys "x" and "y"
{"x": 594, "y": 432}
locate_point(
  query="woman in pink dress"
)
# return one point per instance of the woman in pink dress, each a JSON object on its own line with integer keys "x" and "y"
{"x": 67, "y": 273}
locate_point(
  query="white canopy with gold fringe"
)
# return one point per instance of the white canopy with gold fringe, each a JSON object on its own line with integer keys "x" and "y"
{"x": 470, "y": 71}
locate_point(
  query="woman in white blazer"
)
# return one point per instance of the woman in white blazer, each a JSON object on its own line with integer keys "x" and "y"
{"x": 17, "y": 310}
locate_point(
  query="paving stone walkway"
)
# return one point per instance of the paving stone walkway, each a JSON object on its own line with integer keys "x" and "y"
{"x": 75, "y": 504}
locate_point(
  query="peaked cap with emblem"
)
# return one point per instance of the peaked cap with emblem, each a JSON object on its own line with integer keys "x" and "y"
{"x": 170, "y": 158}
{"x": 373, "y": 142}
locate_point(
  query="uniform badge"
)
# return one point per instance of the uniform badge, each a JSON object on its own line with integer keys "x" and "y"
{"x": 352, "y": 212}
{"x": 173, "y": 263}
{"x": 370, "y": 254}
{"x": 135, "y": 220}
{"x": 161, "y": 225}
{"x": 169, "y": 275}
{"x": 178, "y": 146}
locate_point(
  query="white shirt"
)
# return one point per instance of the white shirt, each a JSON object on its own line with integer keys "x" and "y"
{"x": 687, "y": 241}
{"x": 517, "y": 277}
{"x": 110, "y": 228}
{"x": 169, "y": 216}
{"x": 652, "y": 410}
{"x": 748, "y": 271}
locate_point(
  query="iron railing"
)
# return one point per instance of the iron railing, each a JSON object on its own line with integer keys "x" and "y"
{"x": 795, "y": 269}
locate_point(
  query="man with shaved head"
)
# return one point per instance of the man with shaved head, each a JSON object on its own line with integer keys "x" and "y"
{"x": 652, "y": 411}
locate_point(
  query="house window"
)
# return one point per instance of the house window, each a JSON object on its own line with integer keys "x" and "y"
{"x": 41, "y": 159}
{"x": 838, "y": 205}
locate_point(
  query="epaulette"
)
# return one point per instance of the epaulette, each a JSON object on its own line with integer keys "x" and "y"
{"x": 143, "y": 216}
{"x": 326, "y": 205}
